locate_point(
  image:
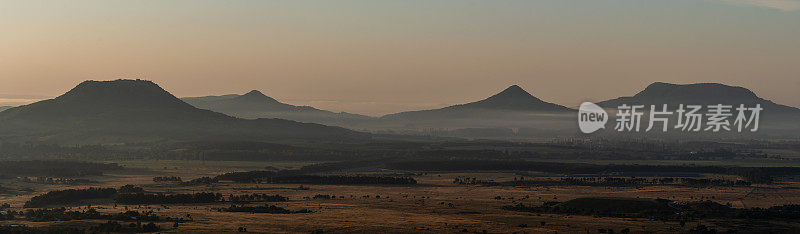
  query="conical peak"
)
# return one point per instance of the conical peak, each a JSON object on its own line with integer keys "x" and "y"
{"x": 254, "y": 93}
{"x": 513, "y": 92}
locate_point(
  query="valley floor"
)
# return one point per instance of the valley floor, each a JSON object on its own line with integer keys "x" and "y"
{"x": 434, "y": 205}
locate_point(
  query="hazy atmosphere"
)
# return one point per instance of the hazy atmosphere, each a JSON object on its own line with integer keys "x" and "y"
{"x": 401, "y": 116}
{"x": 380, "y": 57}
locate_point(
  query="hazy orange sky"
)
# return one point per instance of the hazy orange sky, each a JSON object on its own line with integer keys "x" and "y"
{"x": 376, "y": 57}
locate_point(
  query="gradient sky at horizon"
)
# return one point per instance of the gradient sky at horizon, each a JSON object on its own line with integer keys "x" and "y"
{"x": 378, "y": 57}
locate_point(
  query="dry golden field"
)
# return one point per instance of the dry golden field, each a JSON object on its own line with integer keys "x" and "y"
{"x": 434, "y": 205}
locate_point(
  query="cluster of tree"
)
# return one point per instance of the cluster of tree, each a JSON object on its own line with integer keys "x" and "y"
{"x": 182, "y": 198}
{"x": 271, "y": 209}
{"x": 167, "y": 179}
{"x": 336, "y": 166}
{"x": 116, "y": 227}
{"x": 277, "y": 178}
{"x": 338, "y": 179}
{"x": 55, "y": 168}
{"x": 62, "y": 214}
{"x": 246, "y": 176}
{"x": 470, "y": 180}
{"x": 129, "y": 188}
{"x": 611, "y": 182}
{"x": 660, "y": 209}
{"x": 710, "y": 209}
{"x": 761, "y": 175}
{"x": 324, "y": 196}
{"x": 255, "y": 197}
{"x": 24, "y": 229}
{"x": 108, "y": 227}
{"x": 607, "y": 207}
{"x": 8, "y": 215}
{"x": 61, "y": 197}
{"x": 202, "y": 180}
{"x": 611, "y": 230}
{"x": 711, "y": 182}
{"x": 51, "y": 180}
{"x": 750, "y": 174}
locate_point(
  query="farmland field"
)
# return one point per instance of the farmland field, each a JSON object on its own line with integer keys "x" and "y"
{"x": 434, "y": 204}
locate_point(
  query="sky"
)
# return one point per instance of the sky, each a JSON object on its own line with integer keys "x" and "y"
{"x": 377, "y": 57}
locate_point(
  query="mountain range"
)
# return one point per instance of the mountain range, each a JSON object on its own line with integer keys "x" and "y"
{"x": 511, "y": 107}
{"x": 511, "y": 102}
{"x": 139, "y": 110}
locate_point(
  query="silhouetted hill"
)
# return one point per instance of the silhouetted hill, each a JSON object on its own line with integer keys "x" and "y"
{"x": 775, "y": 120}
{"x": 698, "y": 94}
{"x": 138, "y": 110}
{"x": 255, "y": 104}
{"x": 512, "y": 99}
{"x": 94, "y": 99}
{"x": 513, "y": 112}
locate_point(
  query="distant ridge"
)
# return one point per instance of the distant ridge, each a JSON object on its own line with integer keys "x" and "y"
{"x": 256, "y": 96}
{"x": 136, "y": 110}
{"x": 255, "y": 104}
{"x": 775, "y": 120}
{"x": 697, "y": 94}
{"x": 253, "y": 101}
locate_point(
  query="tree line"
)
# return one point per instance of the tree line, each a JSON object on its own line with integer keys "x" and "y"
{"x": 255, "y": 197}
{"x": 759, "y": 175}
{"x": 276, "y": 178}
{"x": 610, "y": 182}
{"x": 181, "y": 198}
{"x": 62, "y": 214}
{"x": 201, "y": 197}
{"x": 69, "y": 196}
{"x": 201, "y": 181}
{"x": 54, "y": 168}
{"x": 108, "y": 227}
{"x": 130, "y": 194}
{"x": 270, "y": 209}
{"x": 51, "y": 180}
{"x": 12, "y": 150}
{"x": 660, "y": 209}
{"x": 158, "y": 179}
